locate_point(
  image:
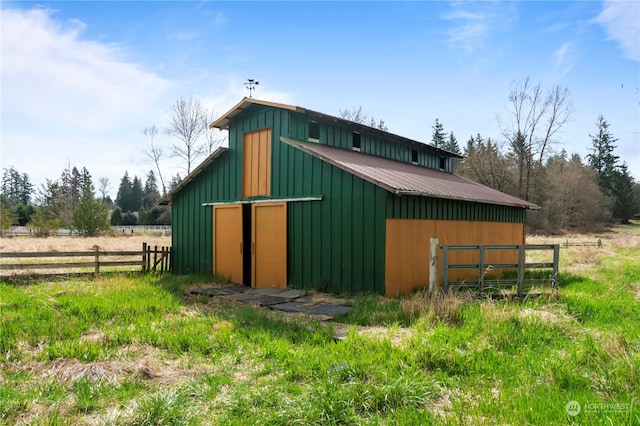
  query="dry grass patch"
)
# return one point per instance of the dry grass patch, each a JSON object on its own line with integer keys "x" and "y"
{"x": 61, "y": 243}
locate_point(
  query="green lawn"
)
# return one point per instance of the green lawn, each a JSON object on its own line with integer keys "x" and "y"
{"x": 139, "y": 350}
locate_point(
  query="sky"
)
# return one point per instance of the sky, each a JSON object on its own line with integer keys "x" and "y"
{"x": 81, "y": 80}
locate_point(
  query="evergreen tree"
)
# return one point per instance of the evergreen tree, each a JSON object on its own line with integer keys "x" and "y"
{"x": 91, "y": 215}
{"x": 137, "y": 195}
{"x": 601, "y": 156}
{"x": 123, "y": 199}
{"x": 451, "y": 144}
{"x": 438, "y": 135}
{"x": 43, "y": 223}
{"x": 16, "y": 187}
{"x": 116, "y": 217}
{"x": 6, "y": 215}
{"x": 151, "y": 193}
{"x": 625, "y": 205}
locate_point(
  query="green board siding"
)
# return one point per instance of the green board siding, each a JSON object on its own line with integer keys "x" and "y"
{"x": 192, "y": 233}
{"x": 337, "y": 243}
{"x": 342, "y": 137}
{"x": 191, "y": 222}
{"x": 408, "y": 207}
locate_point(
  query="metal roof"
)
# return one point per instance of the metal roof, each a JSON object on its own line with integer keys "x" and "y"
{"x": 407, "y": 179}
{"x": 223, "y": 122}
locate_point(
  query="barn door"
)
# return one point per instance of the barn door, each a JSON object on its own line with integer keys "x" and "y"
{"x": 228, "y": 244}
{"x": 269, "y": 245}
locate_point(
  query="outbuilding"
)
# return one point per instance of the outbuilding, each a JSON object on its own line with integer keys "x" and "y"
{"x": 303, "y": 199}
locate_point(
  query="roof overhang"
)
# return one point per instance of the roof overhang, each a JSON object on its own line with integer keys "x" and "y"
{"x": 222, "y": 122}
{"x": 404, "y": 179}
{"x": 166, "y": 200}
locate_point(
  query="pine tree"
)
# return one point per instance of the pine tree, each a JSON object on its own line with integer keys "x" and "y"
{"x": 151, "y": 193}
{"x": 451, "y": 144}
{"x": 438, "y": 135}
{"x": 601, "y": 156}
{"x": 123, "y": 199}
{"x": 90, "y": 216}
{"x": 137, "y": 194}
{"x": 625, "y": 204}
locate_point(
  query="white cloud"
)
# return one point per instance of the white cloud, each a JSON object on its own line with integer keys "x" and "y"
{"x": 562, "y": 62}
{"x": 69, "y": 99}
{"x": 474, "y": 22}
{"x": 621, "y": 21}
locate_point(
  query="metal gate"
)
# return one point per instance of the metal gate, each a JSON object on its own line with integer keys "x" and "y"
{"x": 483, "y": 268}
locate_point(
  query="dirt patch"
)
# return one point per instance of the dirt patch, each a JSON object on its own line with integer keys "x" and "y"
{"x": 396, "y": 335}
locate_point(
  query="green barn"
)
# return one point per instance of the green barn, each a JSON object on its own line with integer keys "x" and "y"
{"x": 303, "y": 199}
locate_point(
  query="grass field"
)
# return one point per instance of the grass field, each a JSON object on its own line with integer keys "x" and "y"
{"x": 138, "y": 350}
{"x": 111, "y": 243}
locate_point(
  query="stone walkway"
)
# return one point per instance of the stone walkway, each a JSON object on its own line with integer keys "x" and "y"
{"x": 281, "y": 299}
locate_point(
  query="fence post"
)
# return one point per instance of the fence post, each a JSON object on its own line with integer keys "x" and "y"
{"x": 144, "y": 257}
{"x": 445, "y": 268}
{"x": 521, "y": 255}
{"x": 155, "y": 258}
{"x": 433, "y": 264}
{"x": 556, "y": 261}
{"x": 481, "y": 268}
{"x": 96, "y": 249}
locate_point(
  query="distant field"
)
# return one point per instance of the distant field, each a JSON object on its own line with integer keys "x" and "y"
{"x": 114, "y": 243}
{"x": 140, "y": 350}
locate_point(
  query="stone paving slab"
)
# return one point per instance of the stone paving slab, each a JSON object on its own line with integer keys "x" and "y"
{"x": 295, "y": 307}
{"x": 221, "y": 291}
{"x": 329, "y": 310}
{"x": 260, "y": 299}
{"x": 291, "y": 294}
{"x": 282, "y": 299}
{"x": 267, "y": 290}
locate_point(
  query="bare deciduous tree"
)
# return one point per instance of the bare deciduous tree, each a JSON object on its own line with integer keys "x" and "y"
{"x": 185, "y": 124}
{"x": 104, "y": 186}
{"x": 214, "y": 136}
{"x": 536, "y": 118}
{"x": 361, "y": 117}
{"x": 154, "y": 153}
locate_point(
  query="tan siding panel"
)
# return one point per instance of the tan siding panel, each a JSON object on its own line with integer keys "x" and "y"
{"x": 407, "y": 249}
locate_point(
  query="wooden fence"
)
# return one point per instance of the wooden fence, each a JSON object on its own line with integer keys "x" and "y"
{"x": 150, "y": 259}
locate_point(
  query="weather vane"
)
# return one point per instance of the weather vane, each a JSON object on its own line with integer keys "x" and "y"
{"x": 251, "y": 85}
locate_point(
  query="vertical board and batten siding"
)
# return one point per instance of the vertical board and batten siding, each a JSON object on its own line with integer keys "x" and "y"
{"x": 410, "y": 207}
{"x": 340, "y": 136}
{"x": 192, "y": 227}
{"x": 336, "y": 244}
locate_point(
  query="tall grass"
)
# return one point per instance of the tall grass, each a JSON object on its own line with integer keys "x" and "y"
{"x": 141, "y": 350}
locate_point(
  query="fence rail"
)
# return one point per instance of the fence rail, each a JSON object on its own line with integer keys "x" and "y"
{"x": 598, "y": 243}
{"x": 149, "y": 259}
{"x": 483, "y": 267}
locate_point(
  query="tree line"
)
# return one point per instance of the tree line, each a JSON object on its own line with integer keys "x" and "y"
{"x": 71, "y": 202}
{"x": 572, "y": 192}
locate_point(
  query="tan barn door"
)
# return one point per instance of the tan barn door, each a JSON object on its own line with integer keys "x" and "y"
{"x": 269, "y": 245}
{"x": 256, "y": 163}
{"x": 227, "y": 241}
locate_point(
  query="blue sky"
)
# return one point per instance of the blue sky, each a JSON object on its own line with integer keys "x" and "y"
{"x": 80, "y": 80}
